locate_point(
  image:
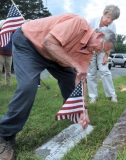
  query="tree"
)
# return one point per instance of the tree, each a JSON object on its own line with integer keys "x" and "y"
{"x": 29, "y": 9}
{"x": 120, "y": 38}
{"x": 120, "y": 46}
{"x": 4, "y": 8}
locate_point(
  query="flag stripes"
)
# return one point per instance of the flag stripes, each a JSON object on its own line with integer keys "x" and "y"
{"x": 5, "y": 38}
{"x": 73, "y": 106}
{"x": 13, "y": 21}
{"x": 73, "y": 117}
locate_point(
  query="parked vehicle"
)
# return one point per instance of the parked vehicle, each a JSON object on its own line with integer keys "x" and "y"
{"x": 119, "y": 59}
{"x": 110, "y": 63}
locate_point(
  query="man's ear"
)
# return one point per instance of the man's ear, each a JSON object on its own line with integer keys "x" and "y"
{"x": 100, "y": 35}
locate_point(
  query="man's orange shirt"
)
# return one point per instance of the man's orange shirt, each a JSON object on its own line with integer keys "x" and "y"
{"x": 72, "y": 31}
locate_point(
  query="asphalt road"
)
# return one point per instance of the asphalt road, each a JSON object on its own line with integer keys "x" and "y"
{"x": 117, "y": 71}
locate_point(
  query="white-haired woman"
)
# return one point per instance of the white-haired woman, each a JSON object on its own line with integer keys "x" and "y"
{"x": 110, "y": 13}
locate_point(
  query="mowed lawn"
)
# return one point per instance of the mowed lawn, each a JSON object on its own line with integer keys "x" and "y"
{"x": 42, "y": 126}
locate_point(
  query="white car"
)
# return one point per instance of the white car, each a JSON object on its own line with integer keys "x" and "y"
{"x": 119, "y": 59}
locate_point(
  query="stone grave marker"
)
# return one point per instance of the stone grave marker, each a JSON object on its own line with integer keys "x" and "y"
{"x": 61, "y": 143}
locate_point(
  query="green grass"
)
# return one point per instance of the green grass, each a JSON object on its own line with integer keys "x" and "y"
{"x": 42, "y": 126}
{"x": 122, "y": 154}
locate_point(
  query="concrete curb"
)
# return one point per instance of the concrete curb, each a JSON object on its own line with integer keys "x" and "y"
{"x": 114, "y": 141}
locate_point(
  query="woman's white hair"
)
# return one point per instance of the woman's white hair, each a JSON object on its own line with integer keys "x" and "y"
{"x": 1, "y": 23}
{"x": 112, "y": 10}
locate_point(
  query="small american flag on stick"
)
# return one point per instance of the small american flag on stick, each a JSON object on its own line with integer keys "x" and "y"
{"x": 13, "y": 21}
{"x": 73, "y": 106}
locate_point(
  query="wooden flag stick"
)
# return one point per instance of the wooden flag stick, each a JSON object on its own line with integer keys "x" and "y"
{"x": 84, "y": 97}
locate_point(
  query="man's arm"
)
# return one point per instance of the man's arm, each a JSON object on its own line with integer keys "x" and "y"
{"x": 56, "y": 51}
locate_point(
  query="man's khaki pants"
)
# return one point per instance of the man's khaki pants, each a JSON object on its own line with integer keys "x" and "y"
{"x": 5, "y": 61}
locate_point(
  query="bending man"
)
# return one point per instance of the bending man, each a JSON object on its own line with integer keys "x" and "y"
{"x": 53, "y": 43}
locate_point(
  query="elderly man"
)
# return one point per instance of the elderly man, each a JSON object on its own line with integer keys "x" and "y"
{"x": 6, "y": 59}
{"x": 62, "y": 44}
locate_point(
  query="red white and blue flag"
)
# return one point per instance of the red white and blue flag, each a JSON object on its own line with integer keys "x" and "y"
{"x": 13, "y": 21}
{"x": 73, "y": 106}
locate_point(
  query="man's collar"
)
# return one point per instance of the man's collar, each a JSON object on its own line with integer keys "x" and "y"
{"x": 87, "y": 36}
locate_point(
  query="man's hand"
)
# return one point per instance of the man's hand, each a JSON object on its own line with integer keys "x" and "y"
{"x": 81, "y": 73}
{"x": 84, "y": 119}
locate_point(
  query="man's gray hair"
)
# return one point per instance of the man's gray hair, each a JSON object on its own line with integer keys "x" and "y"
{"x": 112, "y": 10}
{"x": 110, "y": 36}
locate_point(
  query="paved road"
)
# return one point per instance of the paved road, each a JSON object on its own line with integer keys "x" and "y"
{"x": 117, "y": 71}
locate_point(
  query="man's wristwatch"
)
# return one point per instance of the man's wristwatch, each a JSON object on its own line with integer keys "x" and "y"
{"x": 86, "y": 107}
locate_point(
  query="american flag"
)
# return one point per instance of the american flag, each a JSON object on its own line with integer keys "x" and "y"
{"x": 13, "y": 21}
{"x": 73, "y": 106}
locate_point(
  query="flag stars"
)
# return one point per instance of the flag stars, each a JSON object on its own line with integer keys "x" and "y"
{"x": 13, "y": 12}
{"x": 77, "y": 91}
